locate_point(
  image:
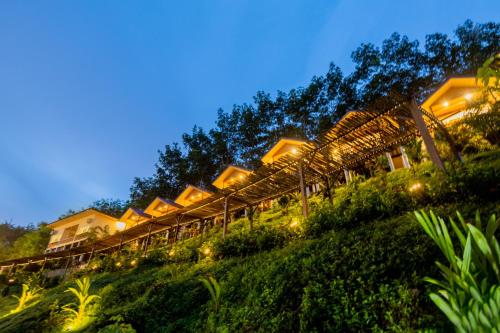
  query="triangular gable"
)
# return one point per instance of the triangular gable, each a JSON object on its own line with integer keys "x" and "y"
{"x": 191, "y": 195}
{"x": 283, "y": 147}
{"x": 160, "y": 207}
{"x": 133, "y": 216}
{"x": 230, "y": 176}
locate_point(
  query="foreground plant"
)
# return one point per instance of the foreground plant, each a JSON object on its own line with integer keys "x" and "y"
{"x": 470, "y": 289}
{"x": 214, "y": 288}
{"x": 28, "y": 296}
{"x": 80, "y": 314}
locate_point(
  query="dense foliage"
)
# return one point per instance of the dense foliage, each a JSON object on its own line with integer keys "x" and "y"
{"x": 357, "y": 271}
{"x": 17, "y": 241}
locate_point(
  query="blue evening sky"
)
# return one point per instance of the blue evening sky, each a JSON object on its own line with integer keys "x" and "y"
{"x": 90, "y": 90}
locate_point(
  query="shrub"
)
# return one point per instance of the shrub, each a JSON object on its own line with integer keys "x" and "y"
{"x": 470, "y": 291}
{"x": 244, "y": 243}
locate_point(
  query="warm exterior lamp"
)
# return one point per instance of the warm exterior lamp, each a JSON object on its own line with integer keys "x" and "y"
{"x": 446, "y": 103}
{"x": 295, "y": 223}
{"x": 133, "y": 262}
{"x": 415, "y": 187}
{"x": 468, "y": 96}
{"x": 294, "y": 151}
{"x": 120, "y": 225}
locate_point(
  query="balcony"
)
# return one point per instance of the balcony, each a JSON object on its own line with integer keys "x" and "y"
{"x": 67, "y": 240}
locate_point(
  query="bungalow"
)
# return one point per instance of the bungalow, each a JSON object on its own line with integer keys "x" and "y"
{"x": 73, "y": 230}
{"x": 160, "y": 207}
{"x": 231, "y": 176}
{"x": 285, "y": 146}
{"x": 451, "y": 101}
{"x": 133, "y": 217}
{"x": 192, "y": 194}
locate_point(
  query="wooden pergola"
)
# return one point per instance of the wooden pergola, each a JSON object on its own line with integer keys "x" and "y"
{"x": 359, "y": 136}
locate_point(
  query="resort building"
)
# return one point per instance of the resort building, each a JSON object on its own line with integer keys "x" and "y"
{"x": 191, "y": 195}
{"x": 161, "y": 206}
{"x": 72, "y": 231}
{"x": 132, "y": 217}
{"x": 452, "y": 100}
{"x": 285, "y": 146}
{"x": 232, "y": 175}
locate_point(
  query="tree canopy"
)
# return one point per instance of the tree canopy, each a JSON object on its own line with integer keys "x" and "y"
{"x": 243, "y": 134}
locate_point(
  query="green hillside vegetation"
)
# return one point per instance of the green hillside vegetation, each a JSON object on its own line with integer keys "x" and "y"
{"x": 356, "y": 265}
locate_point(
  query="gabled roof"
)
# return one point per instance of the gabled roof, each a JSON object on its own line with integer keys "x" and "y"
{"x": 192, "y": 194}
{"x": 279, "y": 148}
{"x": 135, "y": 215}
{"x": 231, "y": 175}
{"x": 79, "y": 215}
{"x": 160, "y": 206}
{"x": 454, "y": 82}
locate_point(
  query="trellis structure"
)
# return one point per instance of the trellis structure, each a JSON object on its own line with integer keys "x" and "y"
{"x": 359, "y": 136}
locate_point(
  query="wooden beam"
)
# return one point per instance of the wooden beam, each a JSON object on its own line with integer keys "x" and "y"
{"x": 302, "y": 184}
{"x": 226, "y": 216}
{"x": 146, "y": 245}
{"x": 178, "y": 219}
{"x": 390, "y": 161}
{"x": 91, "y": 253}
{"x": 426, "y": 135}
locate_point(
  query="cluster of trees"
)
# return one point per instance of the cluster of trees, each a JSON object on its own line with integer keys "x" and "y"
{"x": 19, "y": 241}
{"x": 242, "y": 135}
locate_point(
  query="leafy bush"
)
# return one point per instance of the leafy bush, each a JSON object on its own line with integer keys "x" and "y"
{"x": 244, "y": 243}
{"x": 406, "y": 189}
{"x": 470, "y": 291}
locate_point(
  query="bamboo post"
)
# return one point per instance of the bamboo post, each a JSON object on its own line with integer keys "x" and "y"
{"x": 146, "y": 245}
{"x": 388, "y": 155}
{"x": 121, "y": 243}
{"x": 43, "y": 265}
{"x": 426, "y": 135}
{"x": 91, "y": 253}
{"x": 328, "y": 189}
{"x": 67, "y": 264}
{"x": 303, "y": 194}
{"x": 178, "y": 219}
{"x": 226, "y": 216}
{"x": 404, "y": 157}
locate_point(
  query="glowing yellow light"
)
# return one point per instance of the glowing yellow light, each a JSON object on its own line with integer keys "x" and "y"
{"x": 94, "y": 267}
{"x": 206, "y": 251}
{"x": 415, "y": 187}
{"x": 468, "y": 96}
{"x": 133, "y": 262}
{"x": 11, "y": 280}
{"x": 171, "y": 253}
{"x": 295, "y": 223}
{"x": 445, "y": 104}
{"x": 294, "y": 151}
{"x": 240, "y": 176}
{"x": 120, "y": 225}
{"x": 118, "y": 264}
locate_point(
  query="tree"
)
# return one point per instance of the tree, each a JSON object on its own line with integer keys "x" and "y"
{"x": 113, "y": 207}
{"x": 31, "y": 243}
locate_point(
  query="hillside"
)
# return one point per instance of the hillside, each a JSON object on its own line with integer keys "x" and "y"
{"x": 356, "y": 265}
